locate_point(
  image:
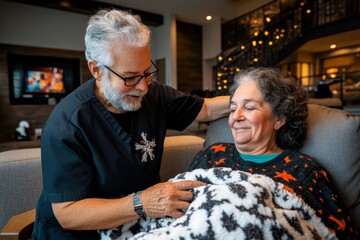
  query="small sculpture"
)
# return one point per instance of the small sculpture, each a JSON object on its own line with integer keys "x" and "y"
{"x": 22, "y": 131}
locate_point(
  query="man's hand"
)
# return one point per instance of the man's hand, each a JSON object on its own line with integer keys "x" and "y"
{"x": 168, "y": 198}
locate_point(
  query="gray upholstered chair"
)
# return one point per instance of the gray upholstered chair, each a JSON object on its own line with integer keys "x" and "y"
{"x": 20, "y": 182}
{"x": 333, "y": 139}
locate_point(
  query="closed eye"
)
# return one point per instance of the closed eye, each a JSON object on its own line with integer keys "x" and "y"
{"x": 232, "y": 108}
{"x": 249, "y": 108}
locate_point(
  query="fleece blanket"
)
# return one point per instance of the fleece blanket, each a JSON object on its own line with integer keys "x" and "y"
{"x": 233, "y": 205}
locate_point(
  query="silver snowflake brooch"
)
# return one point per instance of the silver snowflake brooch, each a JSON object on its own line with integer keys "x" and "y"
{"x": 146, "y": 147}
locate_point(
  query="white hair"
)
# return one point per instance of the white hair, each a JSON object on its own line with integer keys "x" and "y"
{"x": 108, "y": 26}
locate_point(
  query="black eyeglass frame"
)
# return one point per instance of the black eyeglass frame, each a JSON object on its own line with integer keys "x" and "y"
{"x": 134, "y": 78}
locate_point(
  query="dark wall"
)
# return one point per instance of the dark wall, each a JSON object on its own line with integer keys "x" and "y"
{"x": 36, "y": 115}
{"x": 189, "y": 73}
{"x": 189, "y": 56}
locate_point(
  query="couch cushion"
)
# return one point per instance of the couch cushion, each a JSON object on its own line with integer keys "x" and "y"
{"x": 20, "y": 182}
{"x": 178, "y": 154}
{"x": 333, "y": 139}
{"x": 218, "y": 131}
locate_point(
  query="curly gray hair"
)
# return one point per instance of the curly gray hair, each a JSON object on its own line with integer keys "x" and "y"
{"x": 286, "y": 98}
{"x": 107, "y": 26}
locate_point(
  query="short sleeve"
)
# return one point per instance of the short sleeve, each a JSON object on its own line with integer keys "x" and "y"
{"x": 67, "y": 173}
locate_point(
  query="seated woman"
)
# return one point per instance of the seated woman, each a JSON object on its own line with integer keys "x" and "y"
{"x": 268, "y": 124}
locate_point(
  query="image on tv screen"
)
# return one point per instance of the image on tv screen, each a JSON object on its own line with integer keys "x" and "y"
{"x": 44, "y": 80}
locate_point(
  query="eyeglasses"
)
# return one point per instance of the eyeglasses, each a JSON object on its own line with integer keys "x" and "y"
{"x": 132, "y": 81}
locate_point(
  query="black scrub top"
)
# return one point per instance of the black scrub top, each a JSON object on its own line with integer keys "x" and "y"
{"x": 87, "y": 154}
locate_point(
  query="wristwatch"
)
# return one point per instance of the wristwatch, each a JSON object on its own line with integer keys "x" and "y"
{"x": 138, "y": 207}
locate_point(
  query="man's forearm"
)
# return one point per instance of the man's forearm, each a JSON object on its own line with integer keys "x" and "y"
{"x": 94, "y": 213}
{"x": 214, "y": 108}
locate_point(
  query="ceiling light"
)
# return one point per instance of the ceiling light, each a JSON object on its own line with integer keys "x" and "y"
{"x": 333, "y": 46}
{"x": 208, "y": 18}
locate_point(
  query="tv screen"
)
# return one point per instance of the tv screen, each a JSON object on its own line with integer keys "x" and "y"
{"x": 44, "y": 80}
{"x": 41, "y": 80}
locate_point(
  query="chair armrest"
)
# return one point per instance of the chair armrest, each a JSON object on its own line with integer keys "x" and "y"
{"x": 19, "y": 227}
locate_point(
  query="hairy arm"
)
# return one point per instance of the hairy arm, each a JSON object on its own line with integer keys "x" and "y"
{"x": 214, "y": 108}
{"x": 160, "y": 200}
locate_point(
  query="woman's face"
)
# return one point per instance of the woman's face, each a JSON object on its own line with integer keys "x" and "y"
{"x": 252, "y": 122}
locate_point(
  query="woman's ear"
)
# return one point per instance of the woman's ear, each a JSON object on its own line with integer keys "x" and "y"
{"x": 280, "y": 121}
{"x": 94, "y": 69}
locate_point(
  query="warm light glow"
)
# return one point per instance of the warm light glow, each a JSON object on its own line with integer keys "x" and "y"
{"x": 277, "y": 37}
{"x": 256, "y": 33}
{"x": 308, "y": 11}
{"x": 225, "y": 81}
{"x": 270, "y": 43}
{"x": 242, "y": 47}
{"x": 65, "y": 3}
{"x": 266, "y": 33}
{"x": 220, "y": 58}
{"x": 260, "y": 42}
{"x": 229, "y": 59}
{"x": 333, "y": 46}
{"x": 208, "y": 18}
{"x": 256, "y": 60}
{"x": 332, "y": 70}
{"x": 305, "y": 72}
{"x": 268, "y": 19}
{"x": 296, "y": 26}
{"x": 238, "y": 69}
{"x": 254, "y": 43}
{"x": 219, "y": 74}
{"x": 219, "y": 88}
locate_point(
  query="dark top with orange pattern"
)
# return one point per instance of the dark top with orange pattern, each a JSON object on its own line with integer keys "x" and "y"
{"x": 300, "y": 174}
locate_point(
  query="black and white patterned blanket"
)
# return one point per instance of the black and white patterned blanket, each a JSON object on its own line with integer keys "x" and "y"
{"x": 233, "y": 205}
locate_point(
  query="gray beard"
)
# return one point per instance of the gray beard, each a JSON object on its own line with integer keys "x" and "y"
{"x": 119, "y": 99}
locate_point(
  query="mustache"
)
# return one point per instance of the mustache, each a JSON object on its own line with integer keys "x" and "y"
{"x": 136, "y": 93}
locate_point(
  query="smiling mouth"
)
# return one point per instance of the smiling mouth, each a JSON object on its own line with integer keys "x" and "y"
{"x": 241, "y": 129}
{"x": 135, "y": 97}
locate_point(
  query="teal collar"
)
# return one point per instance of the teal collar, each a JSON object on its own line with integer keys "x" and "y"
{"x": 259, "y": 158}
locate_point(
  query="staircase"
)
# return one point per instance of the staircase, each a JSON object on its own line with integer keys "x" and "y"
{"x": 269, "y": 34}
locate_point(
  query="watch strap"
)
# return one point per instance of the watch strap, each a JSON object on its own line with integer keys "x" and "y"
{"x": 138, "y": 207}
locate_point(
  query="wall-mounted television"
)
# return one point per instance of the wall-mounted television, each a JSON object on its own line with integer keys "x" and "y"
{"x": 41, "y": 80}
